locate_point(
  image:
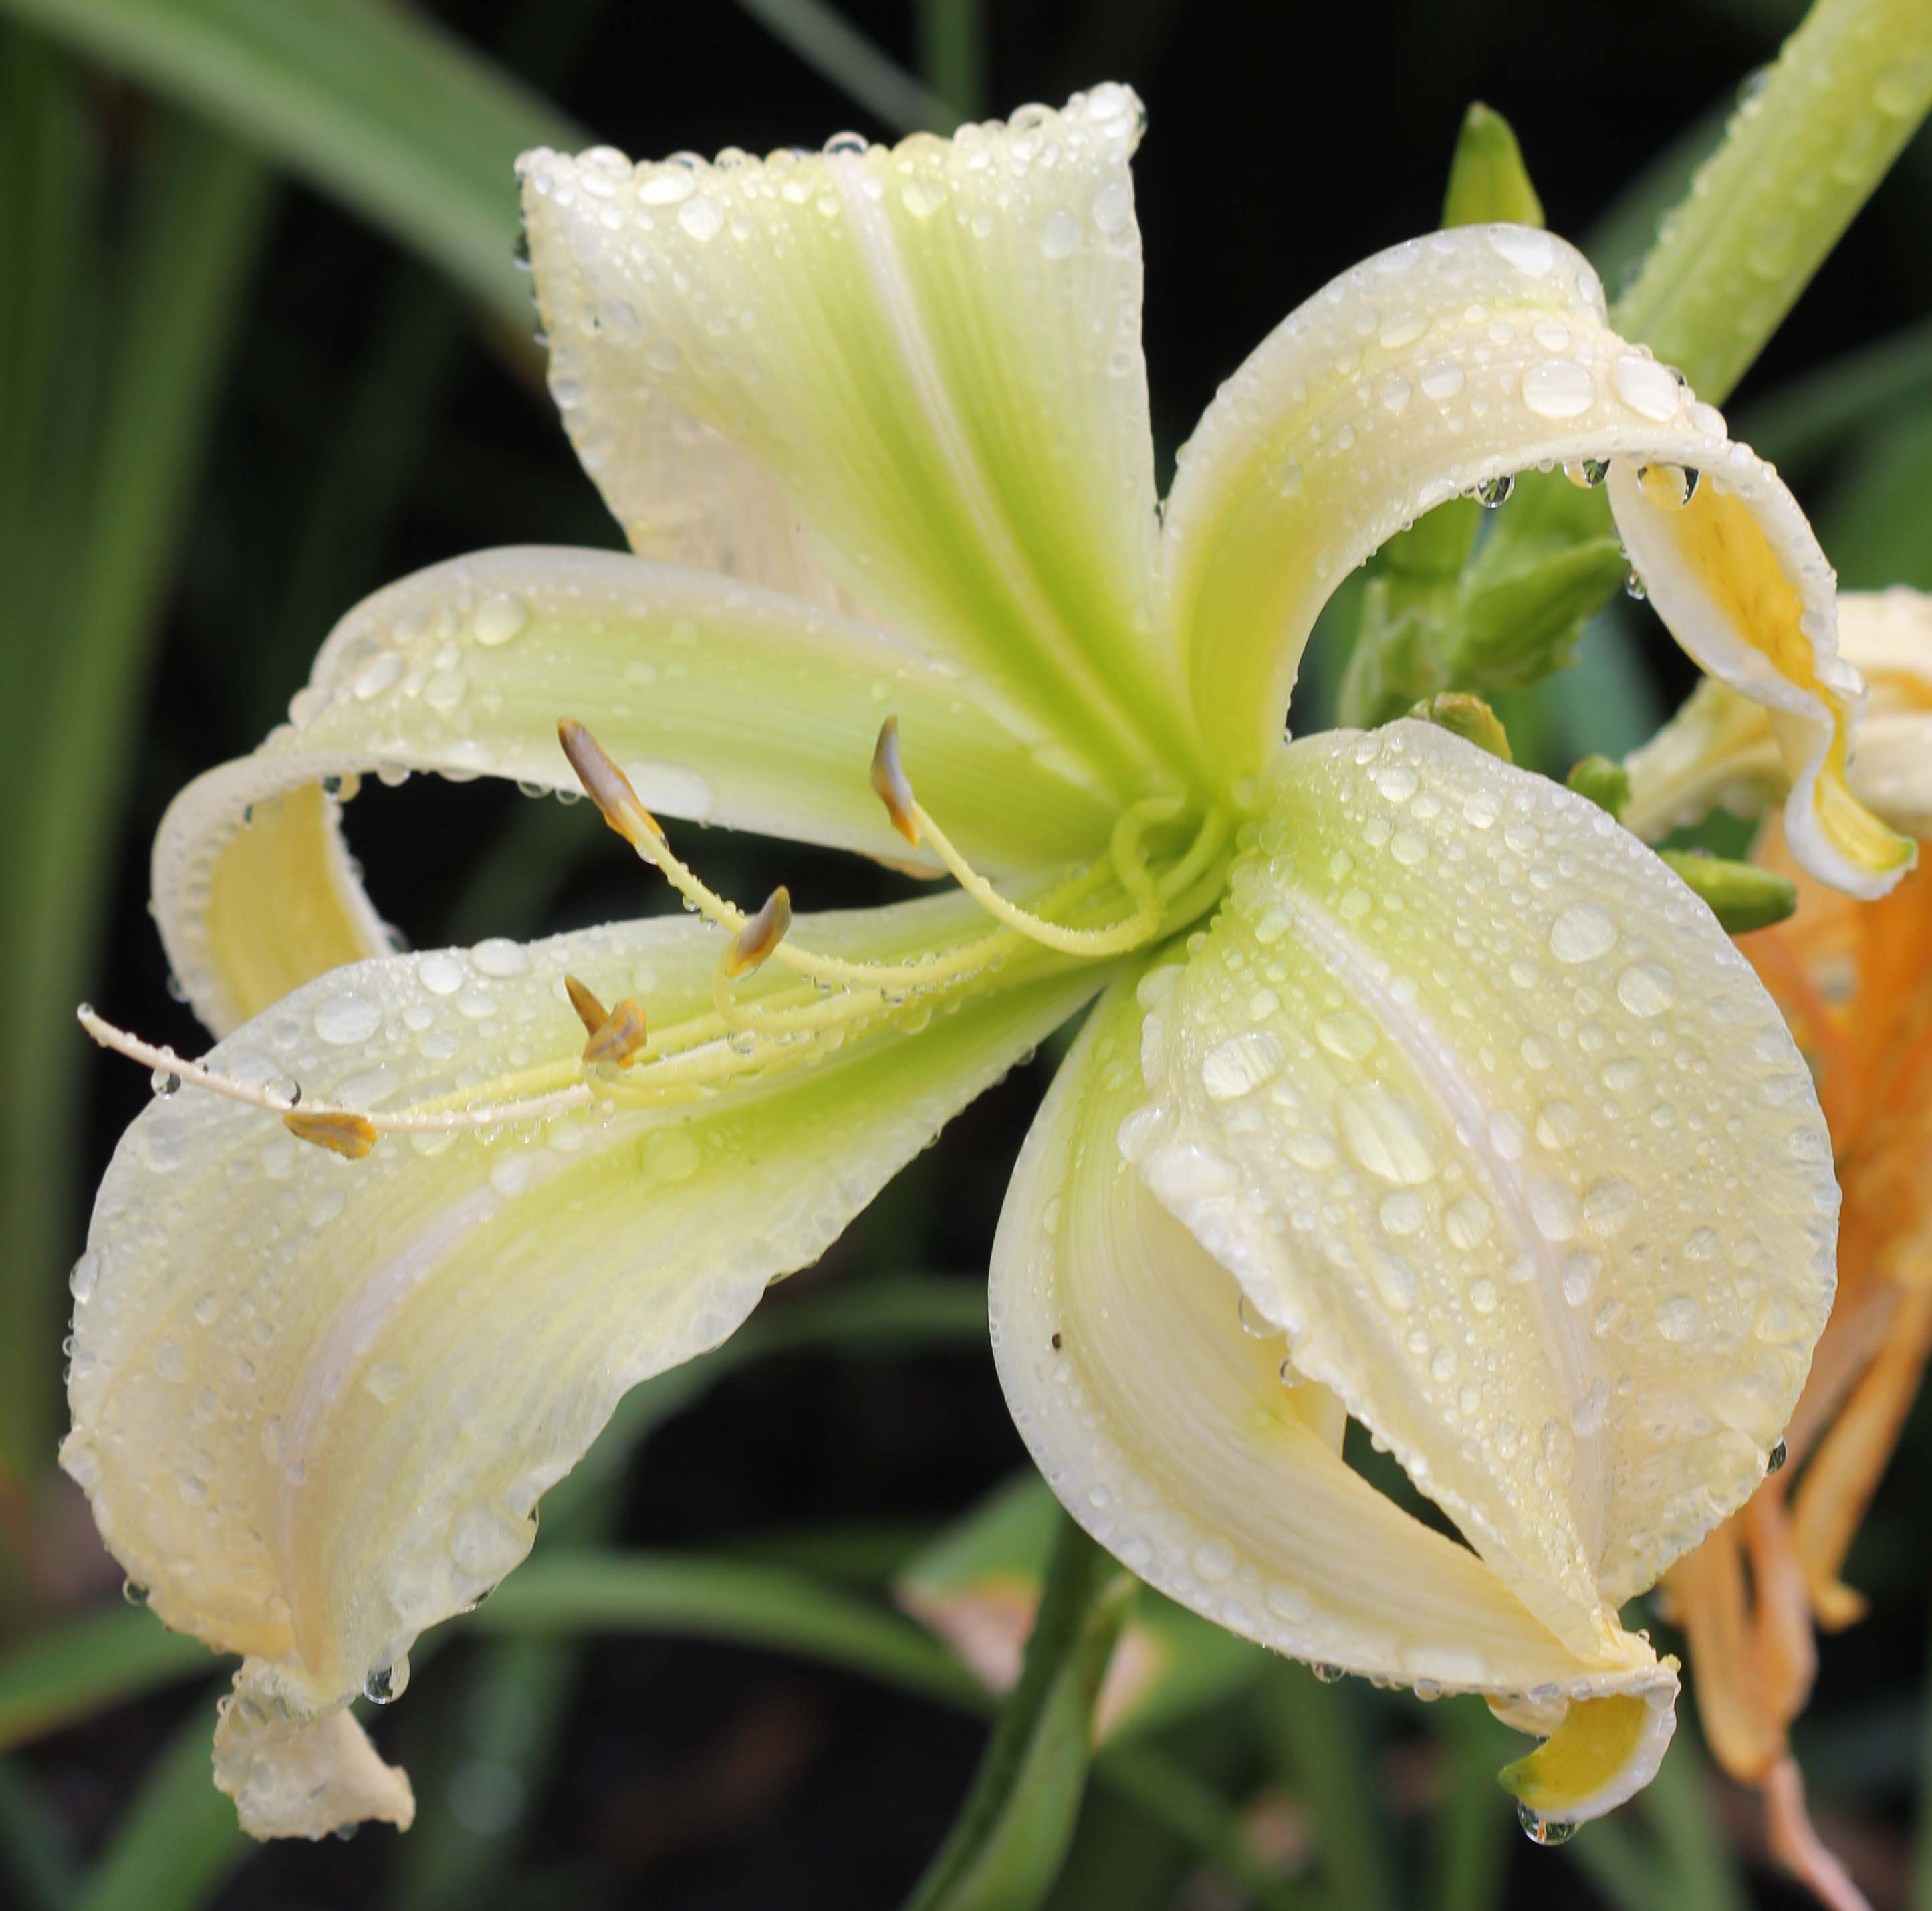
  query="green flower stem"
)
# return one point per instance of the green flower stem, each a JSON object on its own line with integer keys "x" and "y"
{"x": 1812, "y": 137}
{"x": 1010, "y": 1839}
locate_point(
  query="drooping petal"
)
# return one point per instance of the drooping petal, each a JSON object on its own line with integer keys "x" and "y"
{"x": 727, "y": 704}
{"x": 1485, "y": 1111}
{"x": 1164, "y": 1426}
{"x": 934, "y": 347}
{"x": 316, "y": 1401}
{"x": 1720, "y": 749}
{"x": 1431, "y": 369}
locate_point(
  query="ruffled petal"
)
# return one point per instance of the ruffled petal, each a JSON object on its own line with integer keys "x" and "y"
{"x": 1434, "y": 368}
{"x": 316, "y": 1401}
{"x": 1720, "y": 748}
{"x": 1170, "y": 1429}
{"x": 934, "y": 347}
{"x": 1484, "y": 1110}
{"x": 726, "y": 703}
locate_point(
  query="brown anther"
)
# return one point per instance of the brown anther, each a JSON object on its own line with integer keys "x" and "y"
{"x": 341, "y": 1133}
{"x": 889, "y": 784}
{"x": 608, "y": 787}
{"x": 761, "y": 934}
{"x": 590, "y": 1012}
{"x": 619, "y": 1036}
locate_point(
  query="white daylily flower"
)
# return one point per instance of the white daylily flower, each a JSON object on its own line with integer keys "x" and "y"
{"x": 1506, "y": 1151}
{"x": 1720, "y": 747}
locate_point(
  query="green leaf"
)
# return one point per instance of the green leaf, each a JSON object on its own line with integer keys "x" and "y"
{"x": 126, "y": 416}
{"x": 1742, "y": 896}
{"x": 62, "y": 1675}
{"x": 1487, "y": 178}
{"x": 1006, "y": 1847}
{"x": 1812, "y": 136}
{"x": 176, "y": 1841}
{"x": 33, "y": 1843}
{"x": 1522, "y": 627}
{"x": 1469, "y": 1836}
{"x": 375, "y": 104}
{"x": 566, "y": 1592}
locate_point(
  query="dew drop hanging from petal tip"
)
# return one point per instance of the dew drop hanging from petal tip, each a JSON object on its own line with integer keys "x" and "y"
{"x": 1328, "y": 1674}
{"x": 1541, "y": 1831}
{"x": 1493, "y": 493}
{"x": 1774, "y": 1460}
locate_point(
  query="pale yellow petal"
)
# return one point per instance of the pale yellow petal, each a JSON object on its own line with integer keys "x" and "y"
{"x": 1739, "y": 576}
{"x": 1719, "y": 749}
{"x": 726, "y": 703}
{"x": 317, "y": 1401}
{"x": 304, "y": 1777}
{"x": 1485, "y": 1111}
{"x": 1438, "y": 367}
{"x": 1163, "y": 1422}
{"x": 935, "y": 349}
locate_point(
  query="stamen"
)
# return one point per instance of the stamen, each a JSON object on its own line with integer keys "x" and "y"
{"x": 895, "y": 790}
{"x": 427, "y": 1119}
{"x": 350, "y": 1136}
{"x": 609, "y": 789}
{"x": 619, "y": 1036}
{"x": 761, "y": 935}
{"x": 590, "y": 1012}
{"x": 889, "y": 784}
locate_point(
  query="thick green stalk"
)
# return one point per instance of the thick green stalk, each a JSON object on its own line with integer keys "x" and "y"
{"x": 1814, "y": 134}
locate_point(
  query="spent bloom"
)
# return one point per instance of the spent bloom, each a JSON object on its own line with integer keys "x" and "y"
{"x": 1416, "y": 1092}
{"x": 1855, "y": 982}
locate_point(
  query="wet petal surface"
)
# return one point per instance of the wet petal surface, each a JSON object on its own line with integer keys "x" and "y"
{"x": 1483, "y": 1109}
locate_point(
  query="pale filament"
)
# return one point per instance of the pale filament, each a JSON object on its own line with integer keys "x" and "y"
{"x": 428, "y": 1118}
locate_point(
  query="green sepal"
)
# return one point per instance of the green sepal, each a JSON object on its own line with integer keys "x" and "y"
{"x": 1742, "y": 896}
{"x": 1468, "y": 717}
{"x": 1487, "y": 178}
{"x": 1521, "y": 627}
{"x": 1604, "y": 781}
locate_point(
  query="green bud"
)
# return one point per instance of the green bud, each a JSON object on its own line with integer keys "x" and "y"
{"x": 1521, "y": 627}
{"x": 1469, "y": 717}
{"x": 1487, "y": 178}
{"x": 1605, "y": 781}
{"x": 1742, "y": 896}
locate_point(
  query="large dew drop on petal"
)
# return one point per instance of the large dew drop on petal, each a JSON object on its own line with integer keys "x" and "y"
{"x": 1486, "y": 1113}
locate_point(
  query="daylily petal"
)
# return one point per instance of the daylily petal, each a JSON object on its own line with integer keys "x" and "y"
{"x": 316, "y": 1402}
{"x": 1719, "y": 749}
{"x": 725, "y": 703}
{"x": 1433, "y": 369}
{"x": 1486, "y": 1112}
{"x": 935, "y": 348}
{"x": 1165, "y": 1428}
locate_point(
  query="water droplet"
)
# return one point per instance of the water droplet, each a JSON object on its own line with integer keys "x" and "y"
{"x": 1526, "y": 248}
{"x": 387, "y": 1684}
{"x": 1635, "y": 589}
{"x": 1774, "y": 1460}
{"x": 1214, "y": 1561}
{"x": 1348, "y": 1034}
{"x": 1385, "y": 1134}
{"x": 1677, "y": 1318}
{"x": 1468, "y": 1221}
{"x": 1254, "y": 1321}
{"x": 1493, "y": 493}
{"x": 1541, "y": 1831}
{"x": 1647, "y": 387}
{"x": 1559, "y": 388}
{"x": 1059, "y": 237}
{"x": 1588, "y": 474}
{"x": 344, "y": 1020}
{"x": 1114, "y": 207}
{"x": 373, "y": 679}
{"x": 1241, "y": 1064}
{"x": 164, "y": 1082}
{"x": 499, "y": 618}
{"x": 1646, "y": 988}
{"x": 1582, "y": 932}
{"x": 134, "y": 1592}
{"x": 1328, "y": 1674}
{"x": 700, "y": 219}
{"x": 385, "y": 1380}
{"x": 82, "y": 1276}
